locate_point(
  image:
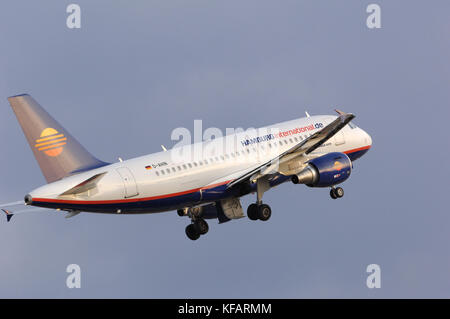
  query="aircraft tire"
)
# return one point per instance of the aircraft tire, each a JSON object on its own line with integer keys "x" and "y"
{"x": 252, "y": 212}
{"x": 191, "y": 232}
{"x": 201, "y": 226}
{"x": 264, "y": 212}
{"x": 333, "y": 194}
{"x": 339, "y": 191}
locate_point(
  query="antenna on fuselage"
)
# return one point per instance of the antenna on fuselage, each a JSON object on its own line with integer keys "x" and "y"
{"x": 120, "y": 159}
{"x": 307, "y": 114}
{"x": 164, "y": 148}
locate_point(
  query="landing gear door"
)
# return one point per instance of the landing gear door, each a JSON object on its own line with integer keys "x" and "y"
{"x": 339, "y": 138}
{"x": 232, "y": 208}
{"x": 128, "y": 181}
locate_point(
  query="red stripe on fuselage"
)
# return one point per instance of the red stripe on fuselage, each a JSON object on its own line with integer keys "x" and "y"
{"x": 357, "y": 149}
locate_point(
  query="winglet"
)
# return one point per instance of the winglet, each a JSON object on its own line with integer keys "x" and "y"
{"x": 340, "y": 112}
{"x": 9, "y": 214}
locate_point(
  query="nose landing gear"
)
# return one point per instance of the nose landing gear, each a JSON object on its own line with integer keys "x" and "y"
{"x": 337, "y": 192}
{"x": 259, "y": 210}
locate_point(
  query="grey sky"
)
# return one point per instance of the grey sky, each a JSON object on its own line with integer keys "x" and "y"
{"x": 136, "y": 70}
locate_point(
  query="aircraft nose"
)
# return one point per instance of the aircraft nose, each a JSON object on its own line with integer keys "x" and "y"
{"x": 367, "y": 139}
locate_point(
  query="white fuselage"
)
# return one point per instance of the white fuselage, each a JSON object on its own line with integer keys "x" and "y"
{"x": 192, "y": 174}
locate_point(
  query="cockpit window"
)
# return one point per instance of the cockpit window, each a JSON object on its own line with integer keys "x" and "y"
{"x": 352, "y": 126}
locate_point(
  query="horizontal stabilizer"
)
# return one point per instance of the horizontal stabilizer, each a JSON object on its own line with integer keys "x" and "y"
{"x": 84, "y": 186}
{"x": 8, "y": 213}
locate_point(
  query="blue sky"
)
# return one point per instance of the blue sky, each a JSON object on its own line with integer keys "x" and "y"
{"x": 137, "y": 70}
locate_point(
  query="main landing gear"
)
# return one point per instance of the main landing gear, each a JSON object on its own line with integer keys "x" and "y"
{"x": 198, "y": 225}
{"x": 259, "y": 210}
{"x": 197, "y": 228}
{"x": 337, "y": 192}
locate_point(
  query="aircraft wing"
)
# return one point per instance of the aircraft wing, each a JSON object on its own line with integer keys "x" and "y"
{"x": 305, "y": 147}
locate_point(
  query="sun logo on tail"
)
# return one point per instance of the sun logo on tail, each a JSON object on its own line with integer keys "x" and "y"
{"x": 51, "y": 142}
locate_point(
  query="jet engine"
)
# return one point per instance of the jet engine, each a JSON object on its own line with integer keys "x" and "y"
{"x": 325, "y": 171}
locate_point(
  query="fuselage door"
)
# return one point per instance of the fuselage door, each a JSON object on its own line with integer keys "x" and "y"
{"x": 128, "y": 181}
{"x": 339, "y": 138}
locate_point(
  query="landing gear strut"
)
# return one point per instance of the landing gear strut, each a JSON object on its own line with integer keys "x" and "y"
{"x": 337, "y": 192}
{"x": 259, "y": 210}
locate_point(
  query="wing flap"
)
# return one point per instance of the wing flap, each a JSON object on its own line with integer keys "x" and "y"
{"x": 84, "y": 186}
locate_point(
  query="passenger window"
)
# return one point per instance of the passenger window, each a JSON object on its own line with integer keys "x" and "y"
{"x": 162, "y": 172}
{"x": 195, "y": 164}
{"x": 190, "y": 165}
{"x": 167, "y": 170}
{"x": 157, "y": 173}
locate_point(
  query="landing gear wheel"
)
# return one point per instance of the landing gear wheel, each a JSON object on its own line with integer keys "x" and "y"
{"x": 252, "y": 212}
{"x": 191, "y": 232}
{"x": 333, "y": 194}
{"x": 339, "y": 192}
{"x": 264, "y": 212}
{"x": 202, "y": 226}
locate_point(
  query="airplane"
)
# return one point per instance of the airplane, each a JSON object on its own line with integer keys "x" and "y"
{"x": 201, "y": 181}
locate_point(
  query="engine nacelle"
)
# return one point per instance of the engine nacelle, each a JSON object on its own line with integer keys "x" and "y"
{"x": 324, "y": 171}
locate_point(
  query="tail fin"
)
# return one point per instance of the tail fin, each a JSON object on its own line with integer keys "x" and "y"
{"x": 57, "y": 152}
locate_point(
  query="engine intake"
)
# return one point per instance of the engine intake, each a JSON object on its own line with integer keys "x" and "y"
{"x": 324, "y": 171}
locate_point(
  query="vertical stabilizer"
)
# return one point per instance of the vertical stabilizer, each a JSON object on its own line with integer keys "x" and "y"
{"x": 56, "y": 151}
